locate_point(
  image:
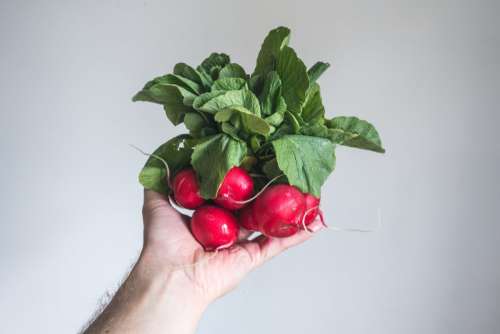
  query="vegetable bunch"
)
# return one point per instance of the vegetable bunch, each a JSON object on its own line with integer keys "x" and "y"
{"x": 269, "y": 124}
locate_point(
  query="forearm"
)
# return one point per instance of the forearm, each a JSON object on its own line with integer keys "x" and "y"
{"x": 151, "y": 300}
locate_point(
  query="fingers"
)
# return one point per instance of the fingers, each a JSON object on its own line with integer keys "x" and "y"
{"x": 263, "y": 248}
{"x": 244, "y": 234}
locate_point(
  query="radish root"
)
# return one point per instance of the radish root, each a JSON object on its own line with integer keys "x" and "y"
{"x": 303, "y": 223}
{"x": 359, "y": 230}
{"x": 322, "y": 218}
{"x": 257, "y": 194}
{"x": 174, "y": 205}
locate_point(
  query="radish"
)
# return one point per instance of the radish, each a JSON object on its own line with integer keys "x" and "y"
{"x": 215, "y": 228}
{"x": 236, "y": 188}
{"x": 186, "y": 189}
{"x": 246, "y": 218}
{"x": 312, "y": 208}
{"x": 279, "y": 210}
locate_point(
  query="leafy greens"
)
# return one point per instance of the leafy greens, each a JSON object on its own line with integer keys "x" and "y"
{"x": 271, "y": 122}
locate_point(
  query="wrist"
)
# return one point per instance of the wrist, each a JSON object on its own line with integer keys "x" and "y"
{"x": 162, "y": 300}
{"x": 169, "y": 283}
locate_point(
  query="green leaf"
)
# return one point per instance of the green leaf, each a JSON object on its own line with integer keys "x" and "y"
{"x": 286, "y": 128}
{"x": 256, "y": 84}
{"x": 200, "y": 100}
{"x": 171, "y": 79}
{"x": 271, "y": 93}
{"x": 195, "y": 123}
{"x": 177, "y": 153}
{"x": 229, "y": 84}
{"x": 315, "y": 130}
{"x": 212, "y": 160}
{"x": 354, "y": 132}
{"x": 188, "y": 72}
{"x": 181, "y": 81}
{"x": 271, "y": 47}
{"x": 206, "y": 78}
{"x": 174, "y": 102}
{"x": 313, "y": 110}
{"x": 272, "y": 170}
{"x": 232, "y": 70}
{"x": 247, "y": 121}
{"x": 223, "y": 115}
{"x": 221, "y": 100}
{"x": 230, "y": 130}
{"x": 277, "y": 118}
{"x": 293, "y": 74}
{"x": 175, "y": 99}
{"x": 214, "y": 63}
{"x": 208, "y": 131}
{"x": 316, "y": 70}
{"x": 306, "y": 161}
{"x": 293, "y": 121}
{"x": 255, "y": 143}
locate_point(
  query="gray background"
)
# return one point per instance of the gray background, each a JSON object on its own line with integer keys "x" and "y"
{"x": 426, "y": 73}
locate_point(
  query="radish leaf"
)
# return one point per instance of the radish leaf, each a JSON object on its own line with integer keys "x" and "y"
{"x": 316, "y": 70}
{"x": 271, "y": 47}
{"x": 225, "y": 84}
{"x": 213, "y": 64}
{"x": 293, "y": 75}
{"x": 306, "y": 161}
{"x": 242, "y": 97}
{"x": 354, "y": 132}
{"x": 313, "y": 110}
{"x": 232, "y": 70}
{"x": 177, "y": 153}
{"x": 213, "y": 158}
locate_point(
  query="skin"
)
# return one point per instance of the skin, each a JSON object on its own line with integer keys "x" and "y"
{"x": 175, "y": 280}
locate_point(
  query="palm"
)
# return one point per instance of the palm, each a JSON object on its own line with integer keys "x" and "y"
{"x": 167, "y": 236}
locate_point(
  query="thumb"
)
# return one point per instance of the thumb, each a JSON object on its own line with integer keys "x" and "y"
{"x": 265, "y": 248}
{"x": 156, "y": 204}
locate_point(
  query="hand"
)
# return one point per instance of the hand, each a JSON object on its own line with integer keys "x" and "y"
{"x": 168, "y": 243}
{"x": 174, "y": 279}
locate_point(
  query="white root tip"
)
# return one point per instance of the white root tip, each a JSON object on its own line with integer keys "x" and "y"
{"x": 360, "y": 230}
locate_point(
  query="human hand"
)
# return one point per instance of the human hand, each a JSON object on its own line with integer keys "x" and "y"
{"x": 169, "y": 245}
{"x": 174, "y": 279}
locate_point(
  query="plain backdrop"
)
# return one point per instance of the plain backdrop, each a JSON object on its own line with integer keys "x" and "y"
{"x": 426, "y": 73}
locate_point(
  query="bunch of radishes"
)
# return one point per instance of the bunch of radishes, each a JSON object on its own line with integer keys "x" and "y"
{"x": 278, "y": 211}
{"x": 258, "y": 146}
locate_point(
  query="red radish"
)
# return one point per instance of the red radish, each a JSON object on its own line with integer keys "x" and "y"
{"x": 279, "y": 210}
{"x": 312, "y": 208}
{"x": 214, "y": 228}
{"x": 246, "y": 218}
{"x": 186, "y": 189}
{"x": 236, "y": 187}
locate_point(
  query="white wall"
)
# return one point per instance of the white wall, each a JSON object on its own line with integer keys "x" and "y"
{"x": 426, "y": 73}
